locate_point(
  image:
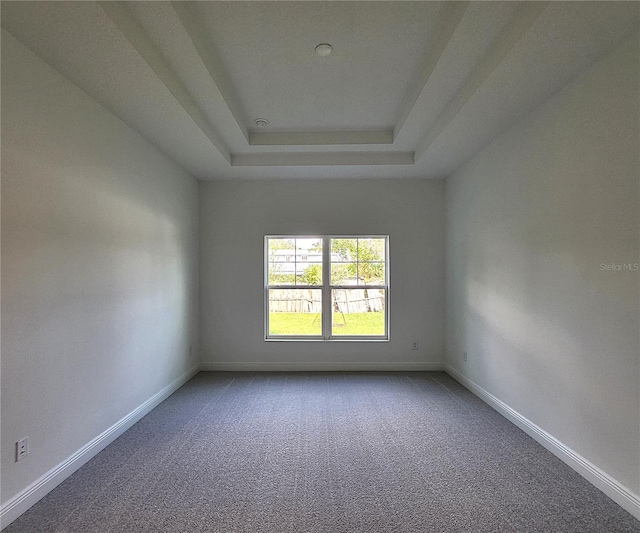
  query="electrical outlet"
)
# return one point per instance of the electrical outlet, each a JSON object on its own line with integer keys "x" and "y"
{"x": 464, "y": 356}
{"x": 22, "y": 448}
{"x": 414, "y": 345}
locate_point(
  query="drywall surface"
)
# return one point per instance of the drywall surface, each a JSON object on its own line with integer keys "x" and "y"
{"x": 99, "y": 268}
{"x": 235, "y": 217}
{"x": 542, "y": 245}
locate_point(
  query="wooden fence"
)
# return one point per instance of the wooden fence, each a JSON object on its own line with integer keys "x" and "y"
{"x": 295, "y": 301}
{"x": 345, "y": 301}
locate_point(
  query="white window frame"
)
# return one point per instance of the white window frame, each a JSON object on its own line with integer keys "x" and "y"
{"x": 326, "y": 291}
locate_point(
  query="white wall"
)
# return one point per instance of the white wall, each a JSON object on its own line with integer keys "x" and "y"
{"x": 235, "y": 217}
{"x": 530, "y": 221}
{"x": 99, "y": 268}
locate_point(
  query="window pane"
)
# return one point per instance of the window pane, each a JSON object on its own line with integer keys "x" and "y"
{"x": 371, "y": 274}
{"x": 344, "y": 249}
{"x": 309, "y": 274}
{"x": 282, "y": 274}
{"x": 309, "y": 250}
{"x": 281, "y": 250}
{"x": 295, "y": 312}
{"x": 344, "y": 274}
{"x": 358, "y": 312}
{"x": 371, "y": 250}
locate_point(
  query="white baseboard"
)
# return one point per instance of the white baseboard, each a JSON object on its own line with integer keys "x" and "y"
{"x": 17, "y": 505}
{"x": 311, "y": 366}
{"x": 620, "y": 494}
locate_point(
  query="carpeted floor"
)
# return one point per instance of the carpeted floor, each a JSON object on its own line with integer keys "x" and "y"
{"x": 330, "y": 452}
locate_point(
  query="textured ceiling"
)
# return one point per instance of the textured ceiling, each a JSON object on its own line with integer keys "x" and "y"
{"x": 412, "y": 89}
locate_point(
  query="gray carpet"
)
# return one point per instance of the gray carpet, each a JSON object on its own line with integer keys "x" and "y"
{"x": 331, "y": 452}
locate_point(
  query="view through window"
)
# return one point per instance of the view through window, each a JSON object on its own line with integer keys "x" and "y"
{"x": 326, "y": 287}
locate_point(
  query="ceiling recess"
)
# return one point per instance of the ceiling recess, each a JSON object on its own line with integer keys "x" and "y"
{"x": 199, "y": 79}
{"x": 324, "y": 49}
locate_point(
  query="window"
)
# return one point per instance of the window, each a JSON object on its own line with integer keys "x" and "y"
{"x": 329, "y": 287}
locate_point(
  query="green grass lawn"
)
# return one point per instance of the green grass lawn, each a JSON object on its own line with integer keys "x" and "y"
{"x": 311, "y": 324}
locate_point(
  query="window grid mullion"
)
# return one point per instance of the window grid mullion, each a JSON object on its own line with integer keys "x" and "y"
{"x": 326, "y": 290}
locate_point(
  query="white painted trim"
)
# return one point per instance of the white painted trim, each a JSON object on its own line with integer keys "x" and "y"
{"x": 22, "y": 501}
{"x": 326, "y": 366}
{"x": 304, "y": 138}
{"x": 286, "y": 159}
{"x": 620, "y": 494}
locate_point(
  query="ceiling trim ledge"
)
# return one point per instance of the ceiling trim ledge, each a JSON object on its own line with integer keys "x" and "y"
{"x": 310, "y": 159}
{"x": 136, "y": 35}
{"x": 197, "y": 33}
{"x": 527, "y": 14}
{"x": 308, "y": 138}
{"x": 456, "y": 11}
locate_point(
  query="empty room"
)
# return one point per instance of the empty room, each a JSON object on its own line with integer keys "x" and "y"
{"x": 324, "y": 266}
